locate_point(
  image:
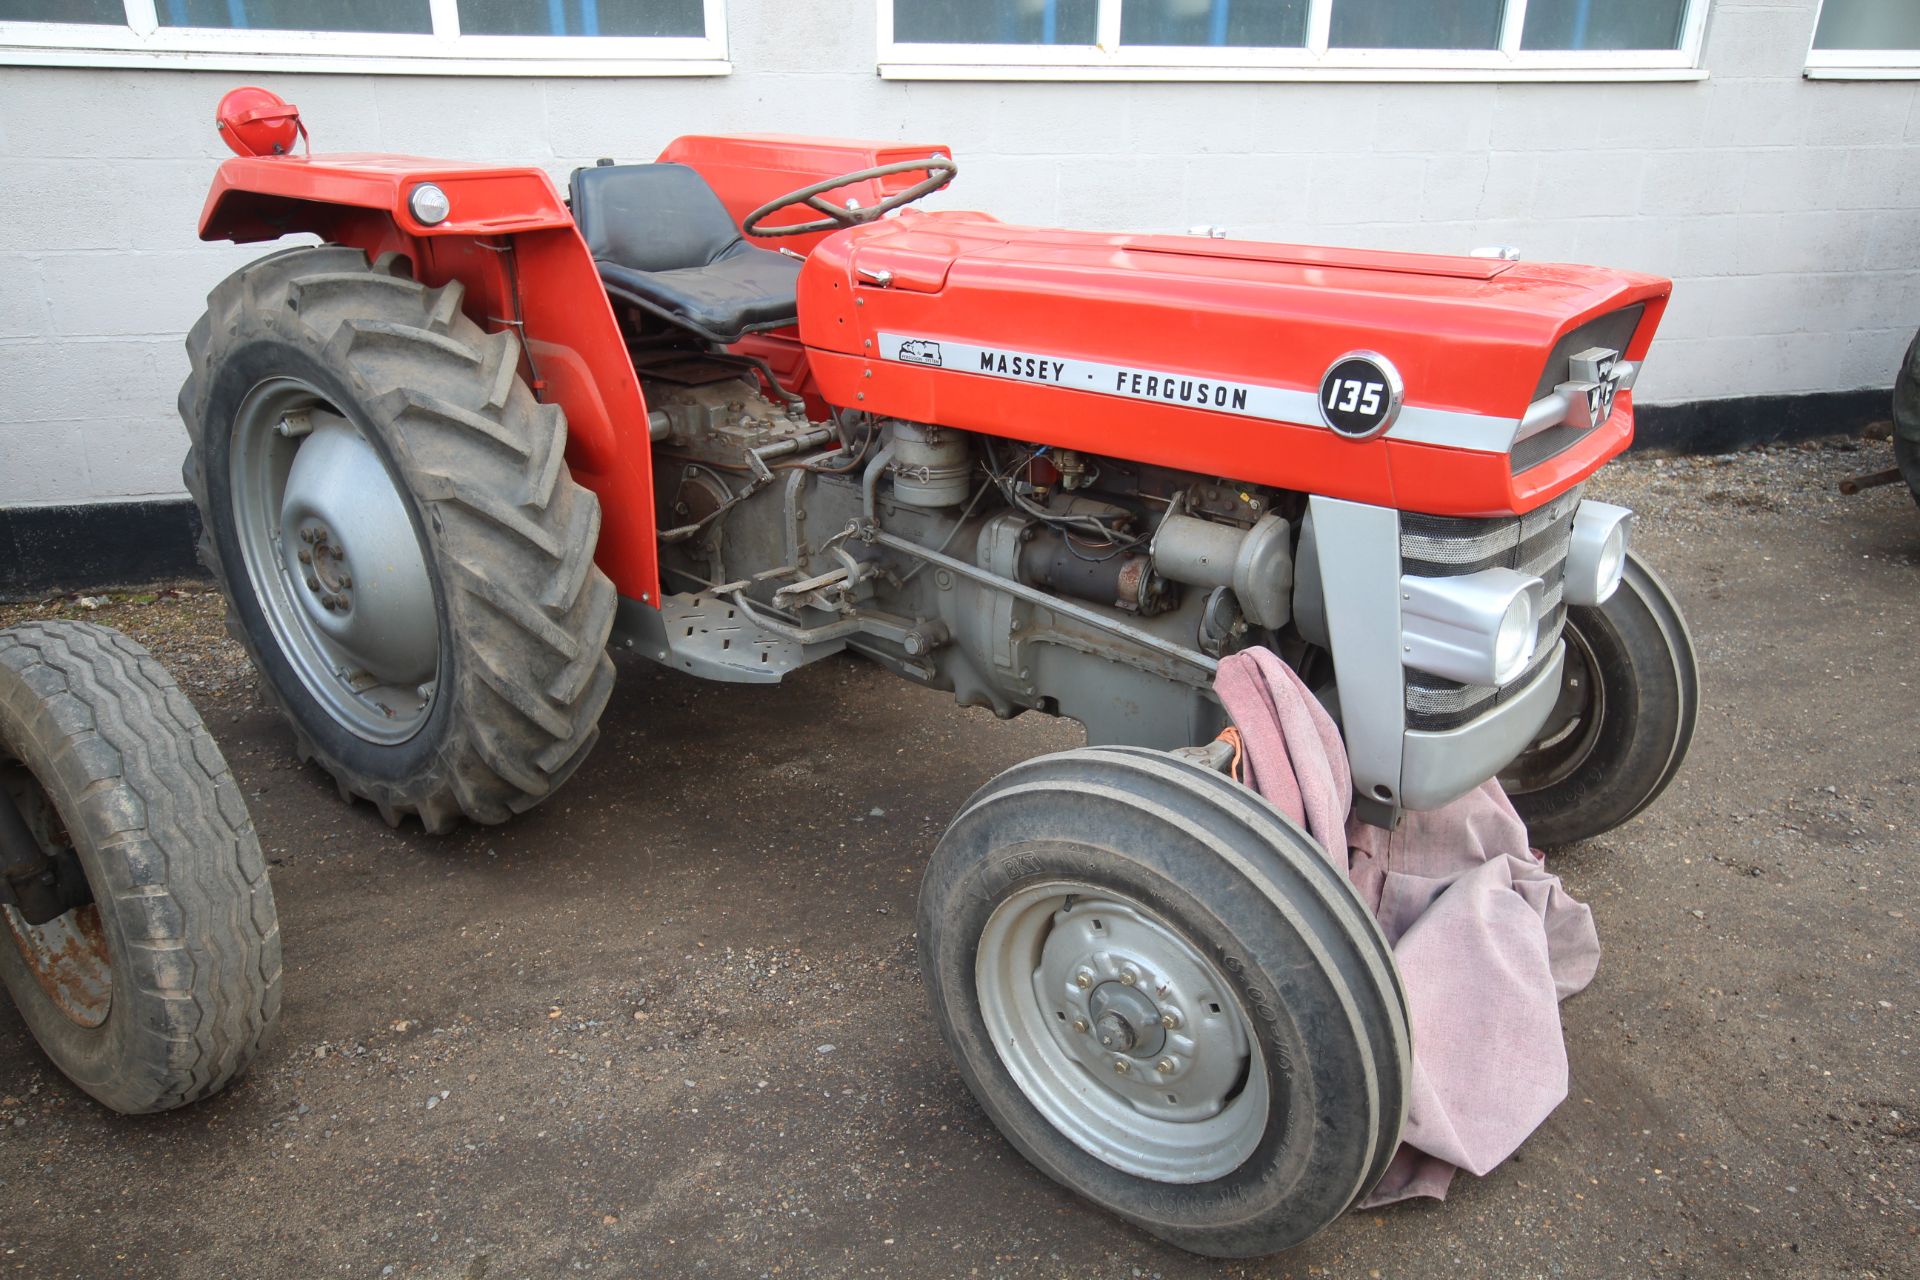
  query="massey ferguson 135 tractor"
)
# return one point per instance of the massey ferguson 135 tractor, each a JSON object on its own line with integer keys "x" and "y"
{"x": 741, "y": 409}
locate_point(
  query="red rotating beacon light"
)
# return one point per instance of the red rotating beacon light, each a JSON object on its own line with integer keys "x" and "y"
{"x": 258, "y": 122}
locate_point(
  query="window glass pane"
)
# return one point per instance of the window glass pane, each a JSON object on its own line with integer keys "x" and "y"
{"x": 297, "y": 15}
{"x": 996, "y": 21}
{"x": 1415, "y": 24}
{"x": 582, "y": 18}
{"x": 1238, "y": 24}
{"x": 1868, "y": 24}
{"x": 112, "y": 11}
{"x": 1603, "y": 24}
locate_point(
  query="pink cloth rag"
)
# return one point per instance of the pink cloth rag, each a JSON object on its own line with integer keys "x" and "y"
{"x": 1487, "y": 942}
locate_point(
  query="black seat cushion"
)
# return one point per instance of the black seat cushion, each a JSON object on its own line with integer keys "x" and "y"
{"x": 663, "y": 241}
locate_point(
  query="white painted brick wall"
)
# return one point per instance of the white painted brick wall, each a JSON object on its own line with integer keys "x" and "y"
{"x": 1787, "y": 211}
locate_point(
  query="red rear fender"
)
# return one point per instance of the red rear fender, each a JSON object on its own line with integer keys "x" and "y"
{"x": 511, "y": 243}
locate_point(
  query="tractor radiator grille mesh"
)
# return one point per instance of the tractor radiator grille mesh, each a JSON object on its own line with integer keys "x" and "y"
{"x": 1446, "y": 546}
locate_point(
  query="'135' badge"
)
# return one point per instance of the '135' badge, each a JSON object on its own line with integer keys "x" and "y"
{"x": 1360, "y": 394}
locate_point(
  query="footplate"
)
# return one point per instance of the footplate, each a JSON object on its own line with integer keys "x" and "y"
{"x": 714, "y": 639}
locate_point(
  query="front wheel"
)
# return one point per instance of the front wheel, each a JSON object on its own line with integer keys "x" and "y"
{"x": 1628, "y": 701}
{"x": 1166, "y": 997}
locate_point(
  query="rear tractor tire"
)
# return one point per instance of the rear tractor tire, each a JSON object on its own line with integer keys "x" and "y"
{"x": 1166, "y": 997}
{"x": 404, "y": 554}
{"x": 160, "y": 979}
{"x": 1628, "y": 702}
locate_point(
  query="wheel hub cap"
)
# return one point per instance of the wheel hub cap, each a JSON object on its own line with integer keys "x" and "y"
{"x": 1125, "y": 1021}
{"x": 1144, "y": 976}
{"x": 377, "y": 602}
{"x": 1121, "y": 1033}
{"x": 334, "y": 560}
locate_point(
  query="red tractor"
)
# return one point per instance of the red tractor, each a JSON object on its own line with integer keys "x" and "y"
{"x": 740, "y": 409}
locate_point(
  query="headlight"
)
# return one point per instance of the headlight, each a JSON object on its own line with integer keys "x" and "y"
{"x": 429, "y": 204}
{"x": 1513, "y": 645}
{"x": 1477, "y": 628}
{"x": 1597, "y": 554}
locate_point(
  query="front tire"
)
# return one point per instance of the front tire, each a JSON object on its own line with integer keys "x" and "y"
{"x": 161, "y": 987}
{"x": 406, "y": 558}
{"x": 1166, "y": 998}
{"x": 1629, "y": 699}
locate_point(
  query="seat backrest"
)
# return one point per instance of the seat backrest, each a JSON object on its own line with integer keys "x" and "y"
{"x": 650, "y": 217}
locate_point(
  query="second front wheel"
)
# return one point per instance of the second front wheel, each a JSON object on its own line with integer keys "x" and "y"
{"x": 1166, "y": 997}
{"x": 1629, "y": 696}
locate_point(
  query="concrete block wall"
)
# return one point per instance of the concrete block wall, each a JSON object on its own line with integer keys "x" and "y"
{"x": 1787, "y": 211}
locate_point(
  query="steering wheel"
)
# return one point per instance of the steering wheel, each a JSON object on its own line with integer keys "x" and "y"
{"x": 939, "y": 170}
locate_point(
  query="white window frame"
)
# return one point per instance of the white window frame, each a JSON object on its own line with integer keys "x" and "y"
{"x": 1858, "y": 64}
{"x": 1108, "y": 59}
{"x": 142, "y": 42}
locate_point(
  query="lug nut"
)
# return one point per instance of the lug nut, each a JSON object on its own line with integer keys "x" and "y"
{"x": 1163, "y": 1066}
{"x": 313, "y": 583}
{"x": 1169, "y": 1019}
{"x": 346, "y": 580}
{"x": 1128, "y": 977}
{"x": 1079, "y": 1024}
{"x": 306, "y": 535}
{"x": 1120, "y": 1066}
{"x": 306, "y": 556}
{"x": 1083, "y": 979}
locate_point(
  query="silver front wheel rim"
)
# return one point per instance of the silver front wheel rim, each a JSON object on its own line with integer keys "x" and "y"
{"x": 1566, "y": 741}
{"x": 1121, "y": 1033}
{"x": 334, "y": 560}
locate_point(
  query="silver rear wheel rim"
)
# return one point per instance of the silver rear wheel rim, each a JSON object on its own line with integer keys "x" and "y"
{"x": 334, "y": 561}
{"x": 1178, "y": 1093}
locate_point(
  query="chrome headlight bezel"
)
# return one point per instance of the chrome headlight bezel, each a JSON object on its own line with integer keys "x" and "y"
{"x": 1597, "y": 554}
{"x": 1478, "y": 628}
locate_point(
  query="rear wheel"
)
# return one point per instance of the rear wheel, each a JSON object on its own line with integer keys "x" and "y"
{"x": 1628, "y": 701}
{"x": 1166, "y": 997}
{"x": 160, "y": 979}
{"x": 406, "y": 557}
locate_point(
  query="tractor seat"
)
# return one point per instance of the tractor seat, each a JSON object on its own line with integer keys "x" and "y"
{"x": 663, "y": 242}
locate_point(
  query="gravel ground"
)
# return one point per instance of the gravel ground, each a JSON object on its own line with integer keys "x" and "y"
{"x": 671, "y": 1024}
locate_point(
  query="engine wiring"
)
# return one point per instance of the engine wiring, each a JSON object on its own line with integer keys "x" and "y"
{"x": 1090, "y": 530}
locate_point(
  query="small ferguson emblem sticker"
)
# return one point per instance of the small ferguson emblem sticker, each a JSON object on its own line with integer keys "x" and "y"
{"x": 921, "y": 351}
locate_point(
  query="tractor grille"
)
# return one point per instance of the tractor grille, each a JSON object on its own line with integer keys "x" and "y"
{"x": 1447, "y": 546}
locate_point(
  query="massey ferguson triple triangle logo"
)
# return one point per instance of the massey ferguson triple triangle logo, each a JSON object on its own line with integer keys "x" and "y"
{"x": 1596, "y": 374}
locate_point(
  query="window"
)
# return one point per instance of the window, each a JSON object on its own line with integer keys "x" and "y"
{"x": 472, "y": 37}
{"x": 1866, "y": 40}
{"x": 1293, "y": 39}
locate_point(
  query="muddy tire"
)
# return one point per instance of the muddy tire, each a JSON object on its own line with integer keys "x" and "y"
{"x": 1629, "y": 700}
{"x": 160, "y": 990}
{"x": 1906, "y": 418}
{"x": 1166, "y": 998}
{"x": 405, "y": 555}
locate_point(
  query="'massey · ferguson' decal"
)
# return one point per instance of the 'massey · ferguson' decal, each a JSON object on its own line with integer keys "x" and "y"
{"x": 1109, "y": 379}
{"x": 1176, "y": 387}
